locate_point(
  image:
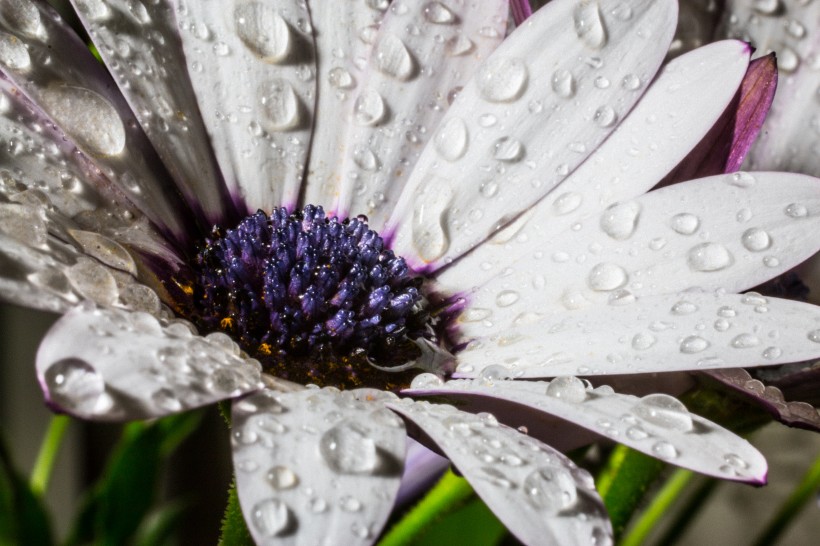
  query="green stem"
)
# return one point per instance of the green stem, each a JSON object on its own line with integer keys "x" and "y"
{"x": 689, "y": 512}
{"x": 668, "y": 494}
{"x": 447, "y": 495}
{"x": 794, "y": 504}
{"x": 41, "y": 472}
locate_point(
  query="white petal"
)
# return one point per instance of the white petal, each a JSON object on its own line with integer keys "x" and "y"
{"x": 657, "y": 424}
{"x": 252, "y": 68}
{"x": 668, "y": 121}
{"x": 343, "y": 33}
{"x": 688, "y": 331}
{"x": 112, "y": 365}
{"x": 75, "y": 94}
{"x": 139, "y": 42}
{"x": 539, "y": 494}
{"x": 730, "y": 231}
{"x": 316, "y": 466}
{"x": 421, "y": 58}
{"x": 531, "y": 119}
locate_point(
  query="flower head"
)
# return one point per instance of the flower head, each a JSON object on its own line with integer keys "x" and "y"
{"x": 509, "y": 235}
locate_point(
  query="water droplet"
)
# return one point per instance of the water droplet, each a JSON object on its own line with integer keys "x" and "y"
{"x": 588, "y": 24}
{"x": 631, "y": 82}
{"x": 369, "y": 109}
{"x": 664, "y": 411}
{"x": 348, "y": 448}
{"x": 105, "y": 250}
{"x": 766, "y": 7}
{"x": 505, "y": 298}
{"x": 280, "y": 105}
{"x": 340, "y": 78}
{"x": 683, "y": 307}
{"x": 350, "y": 504}
{"x": 636, "y": 433}
{"x": 365, "y": 159}
{"x": 567, "y": 388}
{"x": 685, "y": 223}
{"x": 281, "y": 477}
{"x": 451, "y": 139}
{"x": 814, "y": 336}
{"x": 796, "y": 210}
{"x": 93, "y": 281}
{"x": 620, "y": 220}
{"x": 438, "y": 13}
{"x": 772, "y": 353}
{"x": 271, "y": 517}
{"x": 566, "y": 203}
{"x": 693, "y": 344}
{"x": 95, "y": 10}
{"x": 13, "y": 52}
{"x": 771, "y": 261}
{"x": 76, "y": 386}
{"x": 741, "y": 179}
{"x": 459, "y": 45}
{"x": 87, "y": 117}
{"x": 550, "y": 489}
{"x": 166, "y": 401}
{"x": 664, "y": 450}
{"x": 756, "y": 239}
{"x": 23, "y": 16}
{"x": 508, "y": 149}
{"x": 605, "y": 116}
{"x": 393, "y": 58}
{"x": 643, "y": 340}
{"x": 502, "y": 79}
{"x": 563, "y": 83}
{"x": 429, "y": 232}
{"x": 426, "y": 381}
{"x": 263, "y": 31}
{"x": 607, "y": 276}
{"x": 709, "y": 257}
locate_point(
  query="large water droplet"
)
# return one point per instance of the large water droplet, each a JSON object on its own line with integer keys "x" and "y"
{"x": 508, "y": 149}
{"x": 438, "y": 13}
{"x": 814, "y": 336}
{"x": 348, "y": 448}
{"x": 588, "y": 24}
{"x": 620, "y": 220}
{"x": 93, "y": 281}
{"x": 369, "y": 109}
{"x": 393, "y": 58}
{"x": 665, "y": 411}
{"x": 550, "y": 489}
{"x": 796, "y": 210}
{"x": 502, "y": 79}
{"x": 279, "y": 104}
{"x": 745, "y": 341}
{"x": 271, "y": 517}
{"x": 563, "y": 83}
{"x": 605, "y": 116}
{"x": 23, "y": 16}
{"x": 95, "y": 10}
{"x": 643, "y": 340}
{"x": 685, "y": 223}
{"x": 340, "y": 78}
{"x": 76, "y": 386}
{"x": 664, "y": 450}
{"x": 281, "y": 477}
{"x": 693, "y": 344}
{"x": 451, "y": 139}
{"x": 13, "y": 52}
{"x": 567, "y": 388}
{"x": 459, "y": 45}
{"x": 263, "y": 31}
{"x": 607, "y": 276}
{"x": 430, "y": 237}
{"x": 709, "y": 257}
{"x": 756, "y": 240}
{"x": 105, "y": 250}
{"x": 87, "y": 117}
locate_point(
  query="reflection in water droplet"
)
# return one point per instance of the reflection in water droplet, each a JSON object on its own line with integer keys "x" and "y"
{"x": 271, "y": 517}
{"x": 796, "y": 210}
{"x": 451, "y": 140}
{"x": 340, "y": 78}
{"x": 76, "y": 386}
{"x": 605, "y": 116}
{"x": 664, "y": 450}
{"x": 263, "y": 31}
{"x": 502, "y": 79}
{"x": 438, "y": 13}
{"x": 685, "y": 223}
{"x": 563, "y": 83}
{"x": 508, "y": 149}
{"x": 550, "y": 489}
{"x": 348, "y": 448}
{"x": 96, "y": 10}
{"x": 279, "y": 104}
{"x": 620, "y": 220}
{"x": 606, "y": 276}
{"x": 23, "y": 16}
{"x": 588, "y": 24}
{"x": 13, "y": 52}
{"x": 567, "y": 388}
{"x": 369, "y": 109}
{"x": 756, "y": 239}
{"x": 87, "y": 117}
{"x": 429, "y": 228}
{"x": 664, "y": 411}
{"x": 459, "y": 45}
{"x": 709, "y": 257}
{"x": 393, "y": 58}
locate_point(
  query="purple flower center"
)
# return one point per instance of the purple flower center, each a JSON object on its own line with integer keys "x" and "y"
{"x": 314, "y": 298}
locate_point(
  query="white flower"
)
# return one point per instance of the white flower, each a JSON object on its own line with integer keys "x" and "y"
{"x": 512, "y": 172}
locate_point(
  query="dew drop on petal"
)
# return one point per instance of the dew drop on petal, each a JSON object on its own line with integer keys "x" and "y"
{"x": 76, "y": 386}
{"x": 429, "y": 232}
{"x": 550, "y": 489}
{"x": 745, "y": 341}
{"x": 505, "y": 298}
{"x": 756, "y": 240}
{"x": 508, "y": 149}
{"x": 643, "y": 341}
{"x": 13, "y": 52}
{"x": 664, "y": 411}
{"x": 340, "y": 78}
{"x": 588, "y": 24}
{"x": 796, "y": 210}
{"x": 369, "y": 108}
{"x": 664, "y": 450}
{"x": 93, "y": 281}
{"x": 263, "y": 31}
{"x": 459, "y": 45}
{"x": 438, "y": 13}
{"x": 271, "y": 517}
{"x": 563, "y": 83}
{"x": 87, "y": 117}
{"x": 23, "y": 16}
{"x": 709, "y": 257}
{"x": 451, "y": 140}
{"x": 348, "y": 448}
{"x": 605, "y": 116}
{"x": 685, "y": 223}
{"x": 620, "y": 220}
{"x": 607, "y": 276}
{"x": 426, "y": 381}
{"x": 502, "y": 79}
{"x": 280, "y": 104}
{"x": 567, "y": 388}
{"x": 814, "y": 336}
{"x": 96, "y": 10}
{"x": 693, "y": 344}
{"x": 393, "y": 58}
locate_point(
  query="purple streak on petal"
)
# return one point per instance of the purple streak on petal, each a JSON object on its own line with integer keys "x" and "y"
{"x": 769, "y": 398}
{"x": 521, "y": 9}
{"x": 422, "y": 468}
{"x": 723, "y": 149}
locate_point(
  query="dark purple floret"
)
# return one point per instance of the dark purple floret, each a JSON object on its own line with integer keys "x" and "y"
{"x": 304, "y": 285}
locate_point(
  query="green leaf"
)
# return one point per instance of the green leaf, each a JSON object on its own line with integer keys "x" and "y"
{"x": 234, "y": 530}
{"x": 23, "y": 519}
{"x": 471, "y": 525}
{"x": 121, "y": 500}
{"x": 158, "y": 528}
